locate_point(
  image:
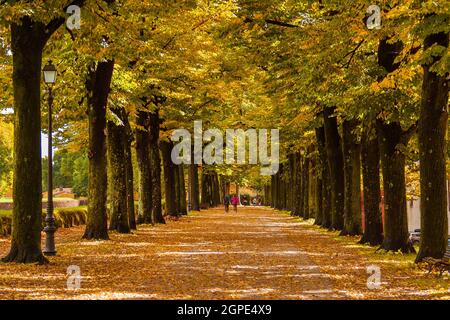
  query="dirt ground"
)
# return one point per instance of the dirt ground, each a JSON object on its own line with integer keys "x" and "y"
{"x": 257, "y": 253}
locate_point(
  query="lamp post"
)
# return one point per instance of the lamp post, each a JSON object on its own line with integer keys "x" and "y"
{"x": 49, "y": 72}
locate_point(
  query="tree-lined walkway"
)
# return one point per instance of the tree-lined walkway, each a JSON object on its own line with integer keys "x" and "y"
{"x": 257, "y": 253}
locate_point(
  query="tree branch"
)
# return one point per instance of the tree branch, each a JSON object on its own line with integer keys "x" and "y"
{"x": 408, "y": 133}
{"x": 281, "y": 24}
{"x": 353, "y": 52}
{"x": 273, "y": 22}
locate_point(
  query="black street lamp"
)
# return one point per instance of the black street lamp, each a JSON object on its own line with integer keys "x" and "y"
{"x": 49, "y": 72}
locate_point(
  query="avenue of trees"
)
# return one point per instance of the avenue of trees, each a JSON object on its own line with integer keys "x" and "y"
{"x": 374, "y": 110}
{"x": 358, "y": 109}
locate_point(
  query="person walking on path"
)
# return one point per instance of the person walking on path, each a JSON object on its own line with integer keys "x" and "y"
{"x": 235, "y": 202}
{"x": 226, "y": 202}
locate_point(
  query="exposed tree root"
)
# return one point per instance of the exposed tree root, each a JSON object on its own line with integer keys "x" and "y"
{"x": 25, "y": 255}
{"x": 92, "y": 234}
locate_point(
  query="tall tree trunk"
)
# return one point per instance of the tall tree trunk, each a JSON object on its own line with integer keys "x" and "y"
{"x": 393, "y": 167}
{"x": 324, "y": 173}
{"x": 176, "y": 178}
{"x": 433, "y": 149}
{"x": 370, "y": 160}
{"x": 195, "y": 194}
{"x": 183, "y": 205}
{"x": 116, "y": 143}
{"x": 291, "y": 195}
{"x": 144, "y": 166}
{"x": 280, "y": 183}
{"x": 299, "y": 195}
{"x": 312, "y": 187}
{"x": 155, "y": 161}
{"x": 205, "y": 201}
{"x": 305, "y": 186}
{"x": 98, "y": 87}
{"x": 283, "y": 189}
{"x": 352, "y": 179}
{"x": 336, "y": 168}
{"x": 28, "y": 40}
{"x": 319, "y": 195}
{"x": 212, "y": 187}
{"x": 216, "y": 188}
{"x": 274, "y": 191}
{"x": 296, "y": 184}
{"x": 169, "y": 178}
{"x": 390, "y": 137}
{"x": 129, "y": 178}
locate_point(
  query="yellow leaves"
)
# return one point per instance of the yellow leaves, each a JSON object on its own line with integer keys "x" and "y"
{"x": 6, "y": 133}
{"x": 387, "y": 83}
{"x": 401, "y": 9}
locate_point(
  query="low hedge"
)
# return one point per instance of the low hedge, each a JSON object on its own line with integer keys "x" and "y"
{"x": 69, "y": 217}
{"x": 64, "y": 217}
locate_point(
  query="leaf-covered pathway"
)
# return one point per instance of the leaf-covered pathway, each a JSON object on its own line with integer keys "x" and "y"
{"x": 255, "y": 254}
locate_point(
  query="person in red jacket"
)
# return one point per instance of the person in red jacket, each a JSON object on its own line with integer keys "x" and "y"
{"x": 235, "y": 202}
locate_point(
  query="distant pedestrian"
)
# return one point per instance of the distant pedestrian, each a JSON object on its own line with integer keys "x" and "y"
{"x": 226, "y": 202}
{"x": 235, "y": 202}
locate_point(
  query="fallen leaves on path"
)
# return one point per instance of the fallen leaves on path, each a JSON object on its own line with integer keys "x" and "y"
{"x": 257, "y": 253}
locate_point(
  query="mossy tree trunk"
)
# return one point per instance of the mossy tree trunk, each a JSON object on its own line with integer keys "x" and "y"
{"x": 370, "y": 161}
{"x": 319, "y": 196}
{"x": 273, "y": 189}
{"x": 336, "y": 168}
{"x": 391, "y": 136}
{"x": 155, "y": 161}
{"x": 117, "y": 166}
{"x": 352, "y": 178}
{"x": 28, "y": 39}
{"x": 195, "y": 194}
{"x": 211, "y": 189}
{"x": 299, "y": 178}
{"x": 183, "y": 204}
{"x": 177, "y": 189}
{"x": 281, "y": 188}
{"x": 324, "y": 174}
{"x": 291, "y": 192}
{"x": 278, "y": 188}
{"x": 205, "y": 201}
{"x": 433, "y": 149}
{"x": 144, "y": 166}
{"x": 293, "y": 189}
{"x": 216, "y": 188}
{"x": 98, "y": 87}
{"x": 393, "y": 167}
{"x": 129, "y": 174}
{"x": 312, "y": 187}
{"x": 169, "y": 178}
{"x": 305, "y": 187}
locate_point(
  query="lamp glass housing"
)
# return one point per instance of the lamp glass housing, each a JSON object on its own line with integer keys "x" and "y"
{"x": 49, "y": 72}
